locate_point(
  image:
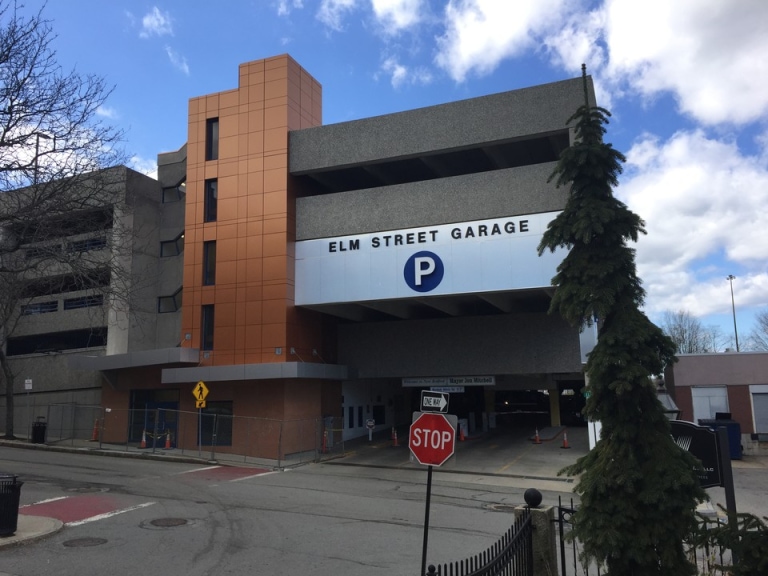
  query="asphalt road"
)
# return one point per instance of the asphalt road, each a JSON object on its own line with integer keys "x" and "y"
{"x": 125, "y": 516}
{"x": 359, "y": 514}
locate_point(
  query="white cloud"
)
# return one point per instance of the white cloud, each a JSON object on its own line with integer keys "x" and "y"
{"x": 397, "y": 15}
{"x": 331, "y": 12}
{"x": 704, "y": 207}
{"x": 401, "y": 75}
{"x": 144, "y": 165}
{"x": 107, "y": 112}
{"x": 479, "y": 34}
{"x": 284, "y": 7}
{"x": 712, "y": 54}
{"x": 156, "y": 23}
{"x": 178, "y": 61}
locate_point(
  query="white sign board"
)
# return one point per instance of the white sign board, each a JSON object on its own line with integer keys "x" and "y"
{"x": 497, "y": 254}
{"x": 28, "y": 384}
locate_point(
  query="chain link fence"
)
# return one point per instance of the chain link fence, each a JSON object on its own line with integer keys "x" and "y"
{"x": 212, "y": 436}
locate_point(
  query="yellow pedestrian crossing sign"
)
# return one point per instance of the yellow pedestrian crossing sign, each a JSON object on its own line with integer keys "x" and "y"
{"x": 199, "y": 403}
{"x": 200, "y": 391}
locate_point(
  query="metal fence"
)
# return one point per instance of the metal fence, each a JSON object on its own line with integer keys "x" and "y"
{"x": 709, "y": 558}
{"x": 512, "y": 555}
{"x": 570, "y": 548}
{"x": 212, "y": 436}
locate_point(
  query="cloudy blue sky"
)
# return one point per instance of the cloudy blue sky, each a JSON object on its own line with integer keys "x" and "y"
{"x": 686, "y": 81}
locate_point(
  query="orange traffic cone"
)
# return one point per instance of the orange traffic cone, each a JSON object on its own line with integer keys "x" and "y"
{"x": 536, "y": 439}
{"x": 95, "y": 435}
{"x": 461, "y": 434}
{"x": 565, "y": 441}
{"x": 168, "y": 440}
{"x": 394, "y": 437}
{"x": 143, "y": 439}
{"x": 325, "y": 442}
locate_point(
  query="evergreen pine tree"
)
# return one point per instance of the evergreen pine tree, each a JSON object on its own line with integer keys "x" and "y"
{"x": 638, "y": 489}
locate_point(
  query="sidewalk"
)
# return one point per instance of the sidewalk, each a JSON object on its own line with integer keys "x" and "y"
{"x": 31, "y": 528}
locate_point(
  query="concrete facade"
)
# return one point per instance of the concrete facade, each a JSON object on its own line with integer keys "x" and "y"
{"x": 215, "y": 297}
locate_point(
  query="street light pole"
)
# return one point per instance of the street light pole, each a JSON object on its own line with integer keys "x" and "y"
{"x": 730, "y": 279}
{"x": 39, "y": 135}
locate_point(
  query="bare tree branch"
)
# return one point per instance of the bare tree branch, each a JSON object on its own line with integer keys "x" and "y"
{"x": 63, "y": 212}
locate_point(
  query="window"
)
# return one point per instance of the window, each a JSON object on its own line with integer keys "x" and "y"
{"x": 174, "y": 193}
{"x": 207, "y": 327}
{"x": 55, "y": 342}
{"x": 172, "y": 303}
{"x": 39, "y": 308}
{"x": 96, "y": 278}
{"x": 172, "y": 247}
{"x": 351, "y": 416}
{"x": 211, "y": 197}
{"x": 84, "y": 302}
{"x": 96, "y": 243}
{"x": 212, "y": 139}
{"x": 209, "y": 263}
{"x": 359, "y": 416}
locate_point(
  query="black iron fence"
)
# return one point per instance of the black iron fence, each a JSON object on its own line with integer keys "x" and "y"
{"x": 710, "y": 548}
{"x": 511, "y": 555}
{"x": 570, "y": 548}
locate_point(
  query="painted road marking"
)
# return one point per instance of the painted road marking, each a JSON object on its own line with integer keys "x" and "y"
{"x": 44, "y": 501}
{"x": 226, "y": 473}
{"x": 110, "y": 514}
{"x": 73, "y": 511}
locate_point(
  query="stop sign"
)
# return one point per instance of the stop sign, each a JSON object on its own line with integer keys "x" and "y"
{"x": 432, "y": 439}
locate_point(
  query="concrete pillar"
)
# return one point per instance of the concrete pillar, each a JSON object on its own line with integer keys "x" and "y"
{"x": 554, "y": 407}
{"x": 544, "y": 543}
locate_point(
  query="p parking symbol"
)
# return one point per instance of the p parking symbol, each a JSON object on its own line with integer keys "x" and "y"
{"x": 423, "y": 271}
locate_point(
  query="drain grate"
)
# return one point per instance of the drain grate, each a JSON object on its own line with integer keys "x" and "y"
{"x": 502, "y": 507}
{"x": 84, "y": 542}
{"x": 168, "y": 522}
{"x": 87, "y": 489}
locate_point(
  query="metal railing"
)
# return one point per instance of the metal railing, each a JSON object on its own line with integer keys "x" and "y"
{"x": 570, "y": 549}
{"x": 511, "y": 555}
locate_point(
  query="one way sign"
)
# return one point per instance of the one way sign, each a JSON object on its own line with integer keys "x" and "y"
{"x": 434, "y": 401}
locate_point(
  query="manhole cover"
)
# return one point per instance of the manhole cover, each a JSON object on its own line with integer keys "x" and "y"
{"x": 168, "y": 522}
{"x": 83, "y": 542}
{"x": 502, "y": 507}
{"x": 87, "y": 489}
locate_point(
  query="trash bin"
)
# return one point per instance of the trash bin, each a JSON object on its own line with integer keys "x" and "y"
{"x": 733, "y": 429}
{"x": 38, "y": 430}
{"x": 10, "y": 491}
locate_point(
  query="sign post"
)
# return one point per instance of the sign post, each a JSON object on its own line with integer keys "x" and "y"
{"x": 28, "y": 387}
{"x": 432, "y": 441}
{"x": 200, "y": 391}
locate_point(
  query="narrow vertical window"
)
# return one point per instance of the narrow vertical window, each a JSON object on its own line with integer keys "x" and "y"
{"x": 211, "y": 199}
{"x": 207, "y": 328}
{"x": 212, "y": 139}
{"x": 209, "y": 263}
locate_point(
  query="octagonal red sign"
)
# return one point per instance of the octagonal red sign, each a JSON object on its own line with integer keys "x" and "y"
{"x": 432, "y": 439}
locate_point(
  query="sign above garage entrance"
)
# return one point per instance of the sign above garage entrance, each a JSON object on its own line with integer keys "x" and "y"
{"x": 441, "y": 381}
{"x": 497, "y": 254}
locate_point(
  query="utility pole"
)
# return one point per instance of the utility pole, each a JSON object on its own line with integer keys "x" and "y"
{"x": 730, "y": 279}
